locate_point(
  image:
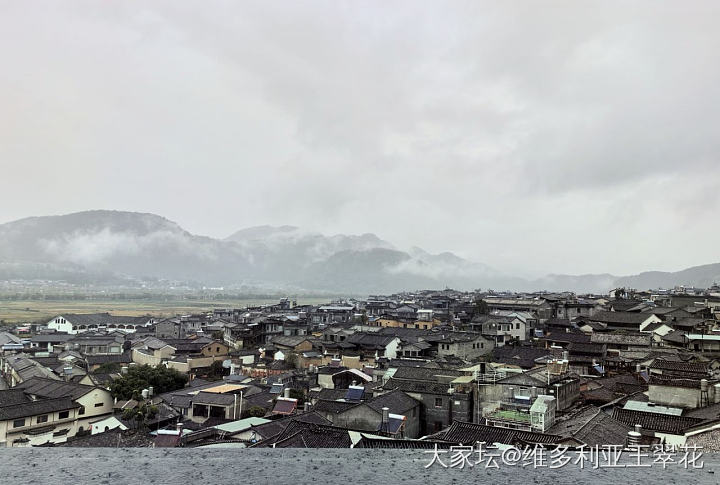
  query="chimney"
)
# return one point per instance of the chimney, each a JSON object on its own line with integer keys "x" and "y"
{"x": 638, "y": 368}
{"x": 179, "y": 428}
{"x": 566, "y": 355}
{"x": 151, "y": 391}
{"x": 307, "y": 406}
{"x": 144, "y": 393}
{"x": 385, "y": 418}
{"x": 286, "y": 392}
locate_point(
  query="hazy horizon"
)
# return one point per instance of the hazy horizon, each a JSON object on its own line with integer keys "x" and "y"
{"x": 566, "y": 138}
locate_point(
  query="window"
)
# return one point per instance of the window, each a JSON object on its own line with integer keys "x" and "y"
{"x": 438, "y": 402}
{"x": 517, "y": 326}
{"x": 18, "y": 423}
{"x": 64, "y": 415}
{"x": 42, "y": 419}
{"x": 98, "y": 404}
{"x": 82, "y": 410}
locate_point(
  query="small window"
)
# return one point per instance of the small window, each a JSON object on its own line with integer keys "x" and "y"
{"x": 82, "y": 410}
{"x": 42, "y": 419}
{"x": 98, "y": 404}
{"x": 438, "y": 402}
{"x": 64, "y": 415}
{"x": 19, "y": 423}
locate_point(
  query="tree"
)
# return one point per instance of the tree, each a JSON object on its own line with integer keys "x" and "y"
{"x": 217, "y": 370}
{"x": 218, "y": 335}
{"x": 299, "y": 395}
{"x": 161, "y": 379}
{"x": 255, "y": 412}
{"x": 291, "y": 359}
{"x": 481, "y": 307}
{"x": 140, "y": 414}
{"x": 108, "y": 368}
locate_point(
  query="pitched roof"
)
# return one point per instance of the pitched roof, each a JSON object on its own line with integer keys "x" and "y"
{"x": 300, "y": 434}
{"x": 397, "y": 401}
{"x": 276, "y": 426}
{"x": 638, "y": 340}
{"x": 590, "y": 425}
{"x": 469, "y": 433}
{"x": 334, "y": 407}
{"x": 423, "y": 387}
{"x": 625, "y": 318}
{"x": 50, "y": 388}
{"x": 664, "y": 423}
{"x": 520, "y": 356}
{"x": 115, "y": 438}
{"x": 700, "y": 368}
{"x": 34, "y": 408}
{"x": 425, "y": 373}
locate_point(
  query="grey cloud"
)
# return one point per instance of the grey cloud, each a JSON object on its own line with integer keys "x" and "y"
{"x": 560, "y": 137}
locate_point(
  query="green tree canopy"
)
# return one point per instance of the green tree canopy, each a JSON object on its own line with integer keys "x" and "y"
{"x": 481, "y": 307}
{"x": 162, "y": 379}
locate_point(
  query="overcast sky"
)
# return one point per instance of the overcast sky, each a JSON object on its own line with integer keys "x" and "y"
{"x": 566, "y": 137}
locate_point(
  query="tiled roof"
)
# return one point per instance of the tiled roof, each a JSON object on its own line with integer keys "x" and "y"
{"x": 111, "y": 439}
{"x": 673, "y": 381}
{"x": 620, "y": 317}
{"x": 13, "y": 396}
{"x": 681, "y": 367}
{"x": 51, "y": 388}
{"x": 276, "y": 426}
{"x": 424, "y": 387}
{"x": 333, "y": 406}
{"x": 639, "y": 340}
{"x": 565, "y": 336}
{"x": 397, "y": 401}
{"x": 123, "y": 358}
{"x": 592, "y": 426}
{"x": 469, "y": 433}
{"x": 309, "y": 435}
{"x": 523, "y": 357}
{"x": 664, "y": 423}
{"x": 34, "y": 408}
{"x": 424, "y": 373}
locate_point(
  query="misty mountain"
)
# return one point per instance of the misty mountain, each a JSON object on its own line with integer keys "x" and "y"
{"x": 98, "y": 246}
{"x": 112, "y": 247}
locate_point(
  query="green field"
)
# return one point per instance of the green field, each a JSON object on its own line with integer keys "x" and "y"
{"x": 25, "y": 311}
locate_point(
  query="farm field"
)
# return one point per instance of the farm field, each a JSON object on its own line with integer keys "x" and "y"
{"x": 25, "y": 311}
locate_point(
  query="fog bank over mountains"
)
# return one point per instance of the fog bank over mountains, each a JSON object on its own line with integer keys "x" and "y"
{"x": 113, "y": 247}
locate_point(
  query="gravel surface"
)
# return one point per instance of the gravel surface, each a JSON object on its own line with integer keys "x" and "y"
{"x": 117, "y": 466}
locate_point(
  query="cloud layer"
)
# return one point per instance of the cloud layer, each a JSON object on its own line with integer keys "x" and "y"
{"x": 562, "y": 137}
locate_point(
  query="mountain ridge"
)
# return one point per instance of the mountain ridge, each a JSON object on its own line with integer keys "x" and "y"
{"x": 107, "y": 245}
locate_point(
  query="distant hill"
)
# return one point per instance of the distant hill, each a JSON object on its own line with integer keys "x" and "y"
{"x": 110, "y": 247}
{"x": 107, "y": 246}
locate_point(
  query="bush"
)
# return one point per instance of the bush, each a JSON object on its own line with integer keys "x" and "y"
{"x": 162, "y": 379}
{"x": 255, "y": 412}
